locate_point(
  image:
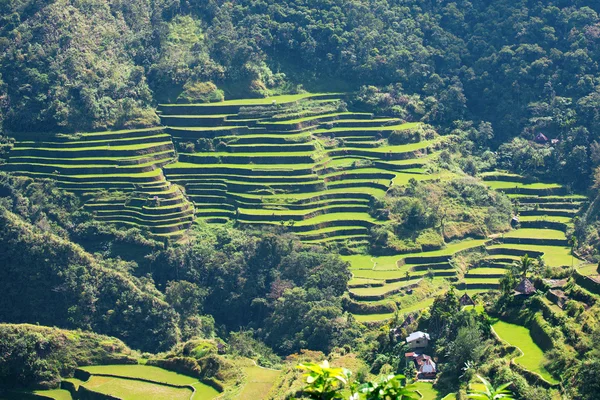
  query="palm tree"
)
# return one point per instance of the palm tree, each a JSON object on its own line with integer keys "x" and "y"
{"x": 491, "y": 393}
{"x": 573, "y": 243}
{"x": 525, "y": 264}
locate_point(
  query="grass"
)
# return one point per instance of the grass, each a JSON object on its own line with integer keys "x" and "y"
{"x": 589, "y": 270}
{"x": 533, "y": 357}
{"x": 152, "y": 373}
{"x": 554, "y": 256}
{"x": 204, "y": 392}
{"x": 536, "y": 233}
{"x": 400, "y": 127}
{"x": 452, "y": 248}
{"x": 533, "y": 218}
{"x": 487, "y": 271}
{"x": 56, "y": 394}
{"x": 361, "y": 261}
{"x": 128, "y": 389}
{"x": 265, "y": 101}
{"x": 381, "y": 317}
{"x": 309, "y": 118}
{"x": 427, "y": 391}
{"x": 258, "y": 382}
{"x": 499, "y": 185}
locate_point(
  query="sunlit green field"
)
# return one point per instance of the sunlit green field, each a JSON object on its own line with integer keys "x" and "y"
{"x": 261, "y": 101}
{"x": 536, "y": 233}
{"x": 533, "y": 357}
{"x": 427, "y": 391}
{"x": 151, "y": 373}
{"x": 554, "y": 256}
{"x": 499, "y": 185}
{"x": 128, "y": 389}
{"x": 56, "y": 394}
{"x": 258, "y": 382}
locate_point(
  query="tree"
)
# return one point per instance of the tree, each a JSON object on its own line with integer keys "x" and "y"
{"x": 573, "y": 243}
{"x": 185, "y": 297}
{"x": 491, "y": 393}
{"x": 468, "y": 346}
{"x": 587, "y": 379}
{"x": 525, "y": 264}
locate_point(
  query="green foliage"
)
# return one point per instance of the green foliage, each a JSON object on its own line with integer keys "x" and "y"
{"x": 324, "y": 382}
{"x": 292, "y": 293}
{"x": 200, "y": 92}
{"x": 34, "y": 356}
{"x": 244, "y": 344}
{"x": 426, "y": 214}
{"x": 526, "y": 264}
{"x": 491, "y": 393}
{"x": 328, "y": 383}
{"x": 63, "y": 285}
{"x": 389, "y": 387}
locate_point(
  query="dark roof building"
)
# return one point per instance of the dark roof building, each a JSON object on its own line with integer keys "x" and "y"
{"x": 466, "y": 300}
{"x": 524, "y": 288}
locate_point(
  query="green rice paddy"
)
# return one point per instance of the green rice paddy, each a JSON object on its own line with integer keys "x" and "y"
{"x": 499, "y": 185}
{"x": 148, "y": 372}
{"x": 533, "y": 357}
{"x": 258, "y": 381}
{"x": 536, "y": 233}
{"x": 128, "y": 389}
{"x": 427, "y": 391}
{"x": 554, "y": 256}
{"x": 262, "y": 101}
{"x": 56, "y": 394}
{"x": 125, "y": 381}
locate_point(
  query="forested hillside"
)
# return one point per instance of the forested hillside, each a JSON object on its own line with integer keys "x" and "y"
{"x": 525, "y": 67}
{"x": 216, "y": 195}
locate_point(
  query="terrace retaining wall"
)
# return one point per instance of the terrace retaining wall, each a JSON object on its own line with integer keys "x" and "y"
{"x": 587, "y": 283}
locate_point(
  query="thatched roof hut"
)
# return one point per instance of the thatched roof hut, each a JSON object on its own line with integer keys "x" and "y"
{"x": 525, "y": 287}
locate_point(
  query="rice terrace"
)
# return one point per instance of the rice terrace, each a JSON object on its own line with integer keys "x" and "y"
{"x": 296, "y": 200}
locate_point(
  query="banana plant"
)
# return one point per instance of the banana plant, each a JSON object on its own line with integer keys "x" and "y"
{"x": 491, "y": 393}
{"x": 324, "y": 382}
{"x": 388, "y": 387}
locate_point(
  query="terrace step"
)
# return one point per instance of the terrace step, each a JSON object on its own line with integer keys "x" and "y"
{"x": 208, "y": 212}
{"x": 551, "y": 213}
{"x": 554, "y": 206}
{"x": 81, "y": 142}
{"x": 354, "y": 239}
{"x": 537, "y": 241}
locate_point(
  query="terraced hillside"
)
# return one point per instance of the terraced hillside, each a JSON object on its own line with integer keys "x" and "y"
{"x": 300, "y": 161}
{"x": 131, "y": 382}
{"x": 118, "y": 173}
{"x": 381, "y": 285}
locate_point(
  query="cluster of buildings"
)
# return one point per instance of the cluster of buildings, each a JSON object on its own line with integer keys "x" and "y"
{"x": 419, "y": 341}
{"x": 425, "y": 365}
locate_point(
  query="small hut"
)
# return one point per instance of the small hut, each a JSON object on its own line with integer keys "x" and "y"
{"x": 525, "y": 288}
{"x": 418, "y": 340}
{"x": 514, "y": 222}
{"x": 541, "y": 138}
{"x": 466, "y": 300}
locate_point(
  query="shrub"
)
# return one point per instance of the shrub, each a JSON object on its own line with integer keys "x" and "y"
{"x": 186, "y": 147}
{"x": 182, "y": 365}
{"x": 405, "y": 136}
{"x": 200, "y": 92}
